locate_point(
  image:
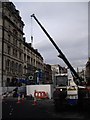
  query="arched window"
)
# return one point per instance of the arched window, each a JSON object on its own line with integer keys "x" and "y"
{"x": 8, "y": 82}
{"x": 15, "y": 32}
{"x": 19, "y": 67}
{"x": 16, "y": 67}
{"x": 12, "y": 66}
{"x": 25, "y": 69}
{"x": 8, "y": 65}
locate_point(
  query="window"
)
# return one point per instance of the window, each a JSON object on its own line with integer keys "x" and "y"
{"x": 16, "y": 53}
{"x": 15, "y": 32}
{"x": 25, "y": 57}
{"x": 20, "y": 56}
{"x": 12, "y": 65}
{"x": 15, "y": 41}
{"x": 9, "y": 15}
{"x": 28, "y": 59}
{"x": 25, "y": 69}
{"x": 0, "y": 14}
{"x": 24, "y": 48}
{"x": 16, "y": 22}
{"x": 20, "y": 25}
{"x": 8, "y": 50}
{"x": 13, "y": 52}
{"x": 20, "y": 68}
{"x": 8, "y": 82}
{"x": 17, "y": 67}
{"x": 20, "y": 36}
{"x": 9, "y": 37}
{"x": 8, "y": 64}
{"x": 19, "y": 44}
{"x": 31, "y": 60}
{"x": 34, "y": 61}
{"x": 28, "y": 50}
{"x": 61, "y": 80}
{"x": 9, "y": 27}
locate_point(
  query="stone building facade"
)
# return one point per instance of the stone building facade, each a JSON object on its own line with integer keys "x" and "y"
{"x": 87, "y": 74}
{"x": 12, "y": 43}
{"x": 1, "y": 44}
{"x": 17, "y": 58}
{"x": 33, "y": 62}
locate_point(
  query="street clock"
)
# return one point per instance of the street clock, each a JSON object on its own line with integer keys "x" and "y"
{"x": 30, "y": 77}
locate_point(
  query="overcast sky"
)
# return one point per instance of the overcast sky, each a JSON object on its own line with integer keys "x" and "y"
{"x": 67, "y": 24}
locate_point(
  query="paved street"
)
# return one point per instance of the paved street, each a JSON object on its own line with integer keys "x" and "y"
{"x": 43, "y": 109}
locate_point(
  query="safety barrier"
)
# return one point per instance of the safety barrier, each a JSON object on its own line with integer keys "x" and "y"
{"x": 41, "y": 95}
{"x": 6, "y": 95}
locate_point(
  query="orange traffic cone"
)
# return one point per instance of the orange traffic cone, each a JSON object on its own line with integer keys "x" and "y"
{"x": 18, "y": 99}
{"x": 23, "y": 98}
{"x": 35, "y": 101}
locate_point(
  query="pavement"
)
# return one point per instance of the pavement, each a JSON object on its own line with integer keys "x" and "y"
{"x": 43, "y": 109}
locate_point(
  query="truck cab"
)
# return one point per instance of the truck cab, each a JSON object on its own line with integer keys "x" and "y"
{"x": 66, "y": 91}
{"x": 60, "y": 90}
{"x": 61, "y": 80}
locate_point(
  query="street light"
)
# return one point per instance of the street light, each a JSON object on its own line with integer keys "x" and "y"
{"x": 37, "y": 76}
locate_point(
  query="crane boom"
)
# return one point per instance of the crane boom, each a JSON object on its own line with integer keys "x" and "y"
{"x": 61, "y": 55}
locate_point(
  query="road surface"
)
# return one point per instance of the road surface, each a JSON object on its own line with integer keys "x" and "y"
{"x": 44, "y": 109}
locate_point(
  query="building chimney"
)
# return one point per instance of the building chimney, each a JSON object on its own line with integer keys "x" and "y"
{"x": 24, "y": 39}
{"x": 30, "y": 44}
{"x": 36, "y": 50}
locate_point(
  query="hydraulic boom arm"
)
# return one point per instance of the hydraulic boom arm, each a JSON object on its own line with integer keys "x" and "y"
{"x": 61, "y": 55}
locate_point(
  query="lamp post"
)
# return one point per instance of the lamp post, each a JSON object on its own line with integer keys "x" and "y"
{"x": 37, "y": 72}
